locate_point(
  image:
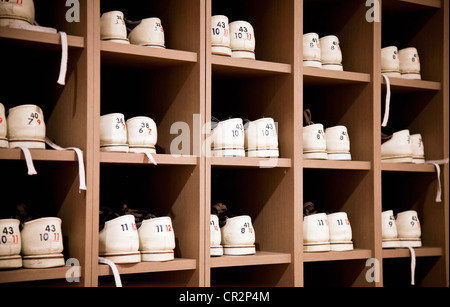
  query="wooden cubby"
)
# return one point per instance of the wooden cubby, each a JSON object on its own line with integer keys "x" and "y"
{"x": 186, "y": 84}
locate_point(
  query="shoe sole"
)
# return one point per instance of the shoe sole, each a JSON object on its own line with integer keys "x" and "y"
{"x": 4, "y": 143}
{"x": 115, "y": 148}
{"x": 10, "y": 262}
{"x": 239, "y": 250}
{"x": 318, "y": 155}
{"x": 341, "y": 246}
{"x": 152, "y": 256}
{"x": 31, "y": 144}
{"x": 131, "y": 257}
{"x": 43, "y": 261}
{"x": 410, "y": 242}
{"x": 216, "y": 251}
{"x": 390, "y": 244}
{"x": 398, "y": 159}
{"x": 339, "y": 156}
{"x": 312, "y": 63}
{"x": 263, "y": 153}
{"x": 316, "y": 247}
{"x": 232, "y": 152}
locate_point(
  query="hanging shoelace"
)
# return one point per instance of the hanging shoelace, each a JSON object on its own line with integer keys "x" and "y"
{"x": 64, "y": 55}
{"x": 149, "y": 156}
{"x": 413, "y": 264}
{"x": 437, "y": 164}
{"x": 28, "y": 160}
{"x": 114, "y": 269}
{"x": 81, "y": 171}
{"x": 388, "y": 101}
{"x": 64, "y": 59}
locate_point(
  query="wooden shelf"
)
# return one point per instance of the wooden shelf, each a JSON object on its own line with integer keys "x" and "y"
{"x": 39, "y": 155}
{"x": 405, "y": 167}
{"x": 141, "y": 56}
{"x": 226, "y": 66}
{"x": 412, "y": 5}
{"x": 317, "y": 76}
{"x": 237, "y": 162}
{"x": 260, "y": 258}
{"x": 409, "y": 86}
{"x": 178, "y": 264}
{"x": 26, "y": 275}
{"x": 134, "y": 158}
{"x": 39, "y": 38}
{"x": 344, "y": 165}
{"x": 335, "y": 256}
{"x": 419, "y": 252}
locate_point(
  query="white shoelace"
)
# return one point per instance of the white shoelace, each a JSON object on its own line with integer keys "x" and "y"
{"x": 413, "y": 264}
{"x": 32, "y": 171}
{"x": 388, "y": 101}
{"x": 437, "y": 164}
{"x": 150, "y": 157}
{"x": 114, "y": 269}
{"x": 28, "y": 160}
{"x": 65, "y": 54}
{"x": 64, "y": 59}
{"x": 81, "y": 171}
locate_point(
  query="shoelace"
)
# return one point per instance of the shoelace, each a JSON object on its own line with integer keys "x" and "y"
{"x": 81, "y": 171}
{"x": 32, "y": 171}
{"x": 388, "y": 101}
{"x": 413, "y": 264}
{"x": 437, "y": 164}
{"x": 64, "y": 56}
{"x": 114, "y": 269}
{"x": 64, "y": 59}
{"x": 28, "y": 160}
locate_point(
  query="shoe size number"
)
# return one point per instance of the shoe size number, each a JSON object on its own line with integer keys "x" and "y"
{"x": 50, "y": 233}
{"x": 220, "y": 25}
{"x": 314, "y": 42}
{"x": 144, "y": 128}
{"x": 238, "y": 131}
{"x": 243, "y": 34}
{"x": 266, "y": 131}
{"x": 158, "y": 27}
{"x": 320, "y": 134}
{"x": 215, "y": 227}
{"x": 163, "y": 228}
{"x": 322, "y": 222}
{"x": 19, "y": 2}
{"x": 125, "y": 227}
{"x": 414, "y": 221}
{"x": 120, "y": 124}
{"x": 34, "y": 118}
{"x": 9, "y": 232}
{"x": 245, "y": 227}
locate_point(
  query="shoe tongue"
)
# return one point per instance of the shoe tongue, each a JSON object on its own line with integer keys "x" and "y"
{"x": 25, "y": 214}
{"x": 222, "y": 213}
{"x": 140, "y": 215}
{"x": 309, "y": 209}
{"x": 308, "y": 117}
{"x": 106, "y": 214}
{"x": 385, "y": 138}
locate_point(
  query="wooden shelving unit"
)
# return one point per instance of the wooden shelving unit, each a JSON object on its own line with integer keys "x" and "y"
{"x": 186, "y": 84}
